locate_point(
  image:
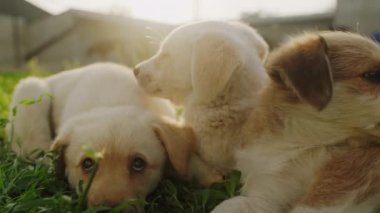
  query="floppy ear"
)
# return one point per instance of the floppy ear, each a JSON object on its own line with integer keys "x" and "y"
{"x": 303, "y": 65}
{"x": 179, "y": 142}
{"x": 58, "y": 148}
{"x": 214, "y": 59}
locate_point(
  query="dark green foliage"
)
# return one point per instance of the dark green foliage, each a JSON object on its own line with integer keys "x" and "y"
{"x": 30, "y": 186}
{"x": 174, "y": 195}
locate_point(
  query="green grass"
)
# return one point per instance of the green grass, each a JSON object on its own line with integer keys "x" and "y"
{"x": 27, "y": 186}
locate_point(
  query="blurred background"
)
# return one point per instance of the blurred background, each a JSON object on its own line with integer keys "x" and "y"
{"x": 61, "y": 34}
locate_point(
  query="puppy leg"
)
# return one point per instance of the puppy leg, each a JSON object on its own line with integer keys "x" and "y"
{"x": 203, "y": 173}
{"x": 266, "y": 193}
{"x": 239, "y": 204}
{"x": 29, "y": 128}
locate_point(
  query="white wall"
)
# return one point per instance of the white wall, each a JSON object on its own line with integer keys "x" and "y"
{"x": 43, "y": 30}
{"x": 11, "y": 32}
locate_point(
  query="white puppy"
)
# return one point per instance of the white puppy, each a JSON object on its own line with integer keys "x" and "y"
{"x": 100, "y": 106}
{"x": 324, "y": 91}
{"x": 215, "y": 70}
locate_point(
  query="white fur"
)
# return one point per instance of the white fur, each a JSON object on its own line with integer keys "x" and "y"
{"x": 214, "y": 69}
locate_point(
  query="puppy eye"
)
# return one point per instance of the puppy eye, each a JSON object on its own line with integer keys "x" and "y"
{"x": 138, "y": 165}
{"x": 87, "y": 165}
{"x": 372, "y": 76}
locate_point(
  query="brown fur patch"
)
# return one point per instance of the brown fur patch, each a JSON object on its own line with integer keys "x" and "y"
{"x": 115, "y": 181}
{"x": 349, "y": 170}
{"x": 111, "y": 182}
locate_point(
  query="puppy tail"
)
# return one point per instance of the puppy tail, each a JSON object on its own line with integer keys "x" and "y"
{"x": 29, "y": 120}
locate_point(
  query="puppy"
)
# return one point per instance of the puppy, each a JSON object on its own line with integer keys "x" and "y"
{"x": 101, "y": 106}
{"x": 214, "y": 69}
{"x": 324, "y": 90}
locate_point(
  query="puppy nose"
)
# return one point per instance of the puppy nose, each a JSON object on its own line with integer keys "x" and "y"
{"x": 136, "y": 71}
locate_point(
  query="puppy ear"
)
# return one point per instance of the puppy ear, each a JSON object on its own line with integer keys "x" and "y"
{"x": 214, "y": 59}
{"x": 303, "y": 65}
{"x": 58, "y": 148}
{"x": 179, "y": 142}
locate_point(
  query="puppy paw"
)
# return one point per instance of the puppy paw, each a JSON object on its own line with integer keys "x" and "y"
{"x": 203, "y": 173}
{"x": 239, "y": 204}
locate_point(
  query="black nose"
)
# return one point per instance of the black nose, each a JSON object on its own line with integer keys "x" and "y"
{"x": 136, "y": 71}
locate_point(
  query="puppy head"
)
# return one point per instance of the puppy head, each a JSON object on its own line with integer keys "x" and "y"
{"x": 355, "y": 62}
{"x": 198, "y": 60}
{"x": 134, "y": 145}
{"x": 335, "y": 71}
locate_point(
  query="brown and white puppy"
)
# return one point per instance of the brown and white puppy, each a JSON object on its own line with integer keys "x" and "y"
{"x": 324, "y": 89}
{"x": 215, "y": 70}
{"x": 102, "y": 107}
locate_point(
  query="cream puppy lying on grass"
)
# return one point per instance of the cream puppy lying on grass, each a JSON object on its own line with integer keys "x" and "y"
{"x": 214, "y": 69}
{"x": 101, "y": 106}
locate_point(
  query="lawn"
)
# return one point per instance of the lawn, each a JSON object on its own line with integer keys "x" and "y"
{"x": 27, "y": 186}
